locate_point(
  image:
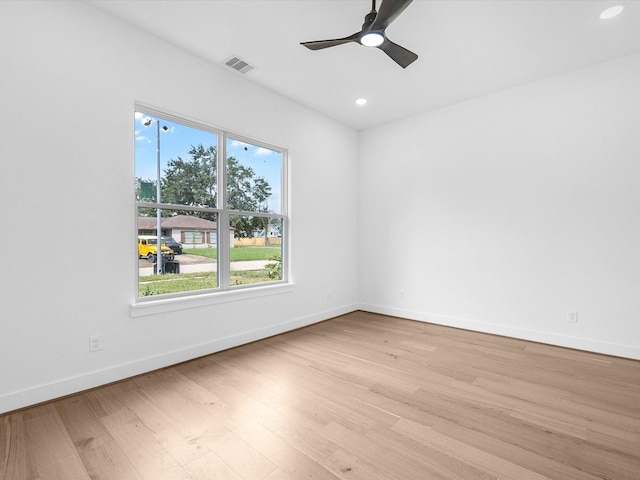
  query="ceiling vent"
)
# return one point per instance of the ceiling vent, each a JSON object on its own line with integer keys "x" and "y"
{"x": 237, "y": 64}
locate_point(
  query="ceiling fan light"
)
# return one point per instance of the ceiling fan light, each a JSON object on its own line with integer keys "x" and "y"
{"x": 611, "y": 12}
{"x": 372, "y": 39}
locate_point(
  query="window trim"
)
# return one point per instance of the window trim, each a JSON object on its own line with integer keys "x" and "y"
{"x": 165, "y": 304}
{"x": 224, "y": 292}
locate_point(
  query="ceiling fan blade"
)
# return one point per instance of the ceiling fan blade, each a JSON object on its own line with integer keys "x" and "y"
{"x": 398, "y": 54}
{"x": 320, "y": 44}
{"x": 388, "y": 12}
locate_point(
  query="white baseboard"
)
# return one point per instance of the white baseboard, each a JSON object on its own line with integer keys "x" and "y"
{"x": 67, "y": 386}
{"x": 586, "y": 344}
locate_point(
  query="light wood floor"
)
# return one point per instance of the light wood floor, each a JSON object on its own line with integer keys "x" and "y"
{"x": 362, "y": 396}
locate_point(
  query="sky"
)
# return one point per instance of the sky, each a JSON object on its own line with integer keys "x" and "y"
{"x": 177, "y": 140}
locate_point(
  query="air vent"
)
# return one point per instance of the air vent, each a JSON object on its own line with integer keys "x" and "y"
{"x": 238, "y": 64}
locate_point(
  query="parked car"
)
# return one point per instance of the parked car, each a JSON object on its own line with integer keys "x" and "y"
{"x": 148, "y": 248}
{"x": 173, "y": 245}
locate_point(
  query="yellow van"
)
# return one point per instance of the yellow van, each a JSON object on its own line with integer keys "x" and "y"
{"x": 148, "y": 248}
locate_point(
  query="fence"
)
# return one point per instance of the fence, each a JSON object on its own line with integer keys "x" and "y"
{"x": 256, "y": 242}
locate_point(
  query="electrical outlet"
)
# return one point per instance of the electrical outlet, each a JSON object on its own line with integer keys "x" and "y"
{"x": 572, "y": 316}
{"x": 95, "y": 343}
{"x": 403, "y": 295}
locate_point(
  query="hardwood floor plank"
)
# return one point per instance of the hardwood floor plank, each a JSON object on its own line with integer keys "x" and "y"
{"x": 286, "y": 456}
{"x": 185, "y": 403}
{"x": 147, "y": 455}
{"x": 210, "y": 467}
{"x": 380, "y": 451}
{"x": 536, "y": 436}
{"x": 100, "y": 453}
{"x": 486, "y": 464}
{"x": 52, "y": 451}
{"x": 352, "y": 467}
{"x": 278, "y": 475}
{"x": 239, "y": 455}
{"x": 15, "y": 458}
{"x": 304, "y": 432}
{"x": 143, "y": 406}
{"x": 247, "y": 401}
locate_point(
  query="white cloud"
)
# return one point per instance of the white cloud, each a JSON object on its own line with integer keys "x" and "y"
{"x": 143, "y": 138}
{"x": 236, "y": 143}
{"x": 142, "y": 118}
{"x": 261, "y": 152}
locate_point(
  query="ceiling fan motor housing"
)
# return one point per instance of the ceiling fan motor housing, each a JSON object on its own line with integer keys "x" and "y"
{"x": 369, "y": 18}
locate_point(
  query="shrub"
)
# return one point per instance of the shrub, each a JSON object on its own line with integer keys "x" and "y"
{"x": 274, "y": 270}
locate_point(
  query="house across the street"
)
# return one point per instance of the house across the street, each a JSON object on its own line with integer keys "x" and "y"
{"x": 192, "y": 232}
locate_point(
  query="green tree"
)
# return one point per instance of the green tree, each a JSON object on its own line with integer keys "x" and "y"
{"x": 245, "y": 191}
{"x": 193, "y": 181}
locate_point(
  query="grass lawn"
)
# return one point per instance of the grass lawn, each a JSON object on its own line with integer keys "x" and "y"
{"x": 238, "y": 254}
{"x": 173, "y": 283}
{"x": 188, "y": 282}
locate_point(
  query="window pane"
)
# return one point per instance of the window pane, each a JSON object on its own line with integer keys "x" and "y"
{"x": 254, "y": 178}
{"x": 177, "y": 175}
{"x": 256, "y": 258}
{"x": 189, "y": 252}
{"x": 186, "y": 160}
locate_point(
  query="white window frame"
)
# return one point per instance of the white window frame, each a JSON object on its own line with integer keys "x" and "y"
{"x": 224, "y": 292}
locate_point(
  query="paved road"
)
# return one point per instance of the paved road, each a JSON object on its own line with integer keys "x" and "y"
{"x": 194, "y": 263}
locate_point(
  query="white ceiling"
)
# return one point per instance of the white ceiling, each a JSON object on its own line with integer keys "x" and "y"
{"x": 466, "y": 48}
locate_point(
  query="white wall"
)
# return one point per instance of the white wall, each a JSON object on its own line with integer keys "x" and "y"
{"x": 502, "y": 213}
{"x": 69, "y": 78}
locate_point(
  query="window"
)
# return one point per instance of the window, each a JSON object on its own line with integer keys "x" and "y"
{"x": 214, "y": 201}
{"x": 193, "y": 237}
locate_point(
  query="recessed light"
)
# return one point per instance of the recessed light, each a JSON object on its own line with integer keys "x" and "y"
{"x": 611, "y": 12}
{"x": 361, "y": 101}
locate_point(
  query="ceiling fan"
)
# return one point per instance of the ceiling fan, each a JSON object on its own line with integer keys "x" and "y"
{"x": 372, "y": 33}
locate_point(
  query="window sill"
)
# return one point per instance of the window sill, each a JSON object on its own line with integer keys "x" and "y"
{"x": 153, "y": 307}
